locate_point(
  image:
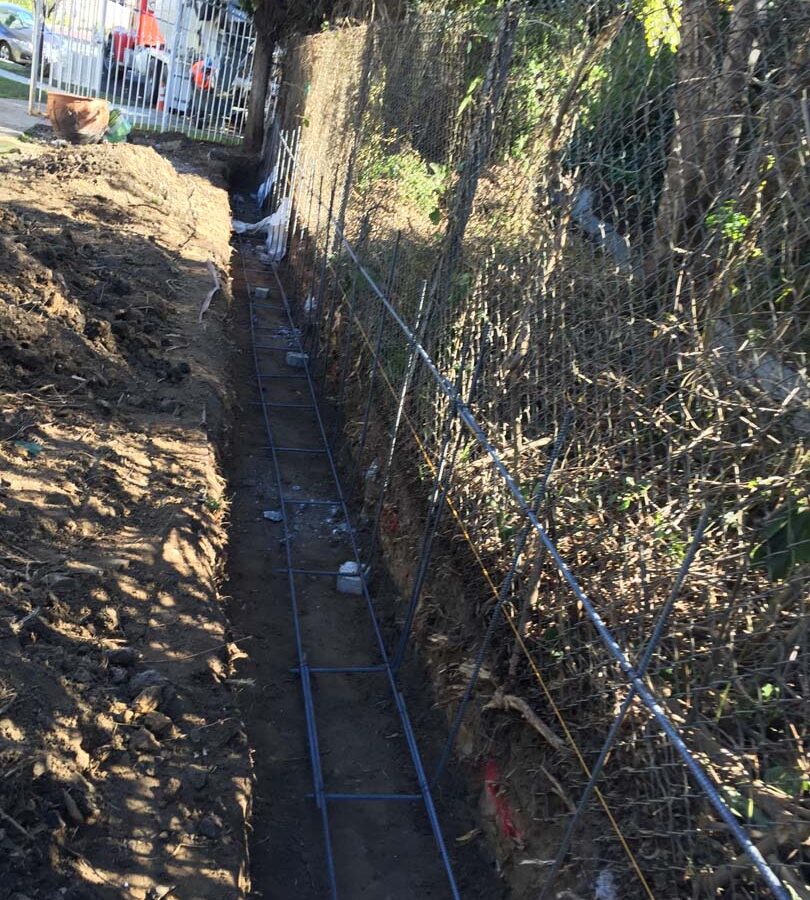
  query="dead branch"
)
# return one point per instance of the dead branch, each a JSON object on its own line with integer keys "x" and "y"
{"x": 212, "y": 293}
{"x": 511, "y": 702}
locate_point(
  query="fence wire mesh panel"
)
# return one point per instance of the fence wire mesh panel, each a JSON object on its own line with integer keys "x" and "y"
{"x": 167, "y": 65}
{"x": 592, "y": 219}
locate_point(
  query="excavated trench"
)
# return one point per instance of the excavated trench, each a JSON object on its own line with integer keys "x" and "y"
{"x": 319, "y": 739}
{"x": 118, "y": 668}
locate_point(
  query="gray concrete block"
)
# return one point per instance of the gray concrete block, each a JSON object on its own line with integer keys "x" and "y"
{"x": 297, "y": 360}
{"x": 350, "y": 578}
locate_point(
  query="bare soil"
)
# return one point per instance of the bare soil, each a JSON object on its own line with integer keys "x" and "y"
{"x": 124, "y": 770}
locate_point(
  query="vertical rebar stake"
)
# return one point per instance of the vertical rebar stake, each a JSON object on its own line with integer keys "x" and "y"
{"x": 324, "y": 264}
{"x": 438, "y": 500}
{"x": 652, "y": 644}
{"x": 317, "y": 233}
{"x": 333, "y": 304}
{"x": 346, "y": 343}
{"x": 410, "y": 368}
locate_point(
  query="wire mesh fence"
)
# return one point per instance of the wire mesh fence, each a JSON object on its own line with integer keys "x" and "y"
{"x": 593, "y": 220}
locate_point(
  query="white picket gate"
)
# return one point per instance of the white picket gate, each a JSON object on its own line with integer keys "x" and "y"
{"x": 168, "y": 65}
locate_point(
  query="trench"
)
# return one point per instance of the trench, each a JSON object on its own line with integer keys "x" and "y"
{"x": 290, "y": 532}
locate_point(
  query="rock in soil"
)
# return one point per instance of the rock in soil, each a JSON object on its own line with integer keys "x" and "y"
{"x": 157, "y": 723}
{"x": 196, "y": 778}
{"x": 144, "y": 741}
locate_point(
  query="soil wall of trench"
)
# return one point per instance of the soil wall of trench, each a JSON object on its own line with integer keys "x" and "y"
{"x": 124, "y": 767}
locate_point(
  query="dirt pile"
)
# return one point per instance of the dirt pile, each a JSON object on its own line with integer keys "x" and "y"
{"x": 123, "y": 768}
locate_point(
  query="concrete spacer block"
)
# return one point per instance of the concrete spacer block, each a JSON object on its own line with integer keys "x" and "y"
{"x": 350, "y": 578}
{"x": 298, "y": 360}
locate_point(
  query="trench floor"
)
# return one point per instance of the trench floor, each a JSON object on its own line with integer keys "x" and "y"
{"x": 382, "y": 850}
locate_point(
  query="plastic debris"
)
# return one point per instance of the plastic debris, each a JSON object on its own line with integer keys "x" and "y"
{"x": 276, "y": 243}
{"x": 605, "y": 886}
{"x": 119, "y": 127}
{"x": 275, "y": 227}
{"x": 241, "y": 227}
{"x": 210, "y": 295}
{"x": 267, "y": 185}
{"x": 32, "y": 448}
{"x": 603, "y": 233}
{"x": 273, "y": 515}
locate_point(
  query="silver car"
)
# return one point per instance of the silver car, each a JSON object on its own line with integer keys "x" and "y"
{"x": 17, "y": 37}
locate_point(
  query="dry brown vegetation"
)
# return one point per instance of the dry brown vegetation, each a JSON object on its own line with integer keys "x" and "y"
{"x": 654, "y": 282}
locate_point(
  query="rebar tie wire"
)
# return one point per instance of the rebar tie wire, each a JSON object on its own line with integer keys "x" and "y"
{"x": 647, "y": 697}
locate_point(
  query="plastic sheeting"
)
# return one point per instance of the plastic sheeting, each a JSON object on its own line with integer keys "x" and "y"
{"x": 266, "y": 186}
{"x": 275, "y": 226}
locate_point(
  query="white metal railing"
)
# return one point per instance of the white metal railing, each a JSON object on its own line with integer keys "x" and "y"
{"x": 168, "y": 65}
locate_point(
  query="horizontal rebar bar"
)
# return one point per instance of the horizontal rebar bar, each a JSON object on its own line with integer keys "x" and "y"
{"x": 294, "y": 376}
{"x": 410, "y": 798}
{"x": 345, "y": 670}
{"x": 302, "y": 501}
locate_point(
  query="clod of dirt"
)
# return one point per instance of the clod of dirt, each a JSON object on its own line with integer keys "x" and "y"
{"x": 118, "y": 675}
{"x": 144, "y": 741}
{"x": 148, "y": 700}
{"x": 122, "y": 656}
{"x": 148, "y": 679}
{"x": 172, "y": 789}
{"x": 195, "y": 778}
{"x": 210, "y": 827}
{"x": 159, "y": 724}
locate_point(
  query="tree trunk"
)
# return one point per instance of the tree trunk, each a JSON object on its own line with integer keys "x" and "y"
{"x": 475, "y": 158}
{"x": 679, "y": 208}
{"x": 711, "y": 103}
{"x": 262, "y": 65}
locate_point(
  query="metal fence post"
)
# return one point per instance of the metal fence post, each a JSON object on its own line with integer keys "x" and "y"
{"x": 170, "y": 69}
{"x": 36, "y": 61}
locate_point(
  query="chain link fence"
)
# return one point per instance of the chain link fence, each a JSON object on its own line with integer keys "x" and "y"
{"x": 594, "y": 219}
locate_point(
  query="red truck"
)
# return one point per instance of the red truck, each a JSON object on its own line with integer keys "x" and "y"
{"x": 198, "y": 33}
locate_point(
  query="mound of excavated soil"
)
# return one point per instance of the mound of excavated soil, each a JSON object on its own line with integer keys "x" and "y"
{"x": 123, "y": 768}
